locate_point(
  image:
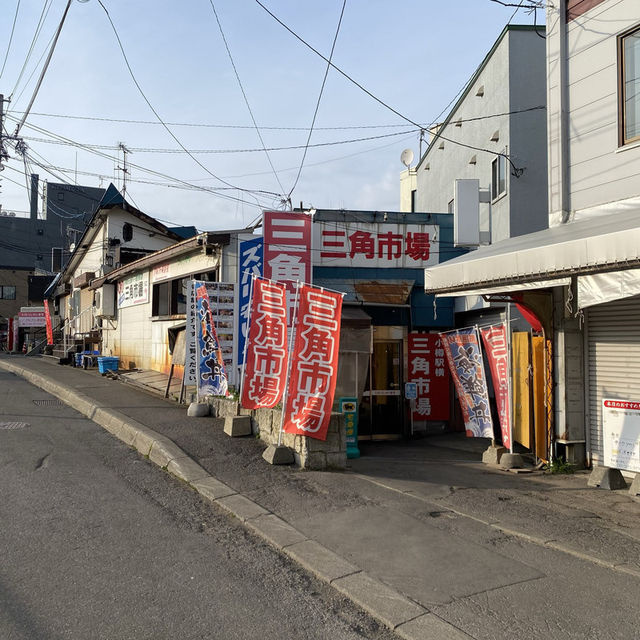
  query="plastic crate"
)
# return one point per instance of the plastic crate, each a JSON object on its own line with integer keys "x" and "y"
{"x": 78, "y": 357}
{"x": 107, "y": 364}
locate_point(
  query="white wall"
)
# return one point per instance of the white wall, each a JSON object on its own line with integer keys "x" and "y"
{"x": 598, "y": 171}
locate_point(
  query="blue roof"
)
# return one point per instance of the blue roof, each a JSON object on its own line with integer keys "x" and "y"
{"x": 111, "y": 196}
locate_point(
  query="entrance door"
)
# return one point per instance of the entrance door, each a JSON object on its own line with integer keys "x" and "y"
{"x": 382, "y": 412}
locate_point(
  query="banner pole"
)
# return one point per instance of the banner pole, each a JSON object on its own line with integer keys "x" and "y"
{"x": 510, "y": 376}
{"x": 493, "y": 436}
{"x": 286, "y": 389}
{"x": 246, "y": 340}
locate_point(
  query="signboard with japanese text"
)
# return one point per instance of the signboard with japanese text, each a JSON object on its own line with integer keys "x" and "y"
{"x": 250, "y": 256}
{"x": 428, "y": 371}
{"x": 133, "y": 290}
{"x": 222, "y": 299}
{"x": 496, "y": 345}
{"x": 287, "y": 250}
{"x": 31, "y": 317}
{"x": 360, "y": 244}
{"x": 621, "y": 434}
{"x": 212, "y": 375}
{"x": 462, "y": 350}
{"x": 183, "y": 266}
{"x": 265, "y": 371}
{"x": 314, "y": 363}
{"x": 49, "y": 325}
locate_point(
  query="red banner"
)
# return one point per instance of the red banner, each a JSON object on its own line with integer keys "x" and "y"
{"x": 287, "y": 249}
{"x": 47, "y": 319}
{"x": 265, "y": 370}
{"x": 428, "y": 369}
{"x": 314, "y": 364}
{"x": 496, "y": 346}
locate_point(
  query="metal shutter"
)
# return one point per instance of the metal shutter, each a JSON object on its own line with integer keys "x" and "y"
{"x": 613, "y": 352}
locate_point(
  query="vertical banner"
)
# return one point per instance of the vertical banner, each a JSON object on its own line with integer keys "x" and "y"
{"x": 212, "y": 376}
{"x": 191, "y": 346}
{"x": 314, "y": 363}
{"x": 265, "y": 371}
{"x": 462, "y": 348}
{"x": 427, "y": 369}
{"x": 287, "y": 250}
{"x": 10, "y": 341}
{"x": 250, "y": 255}
{"x": 495, "y": 343}
{"x": 47, "y": 319}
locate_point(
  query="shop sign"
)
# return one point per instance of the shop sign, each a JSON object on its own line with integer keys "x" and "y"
{"x": 428, "y": 371}
{"x": 359, "y": 244}
{"x": 133, "y": 290}
{"x": 349, "y": 409}
{"x": 464, "y": 356}
{"x": 212, "y": 375}
{"x": 287, "y": 250}
{"x": 181, "y": 267}
{"x": 265, "y": 372}
{"x": 314, "y": 363}
{"x": 621, "y": 434}
{"x": 497, "y": 348}
{"x": 250, "y": 255}
{"x": 32, "y": 317}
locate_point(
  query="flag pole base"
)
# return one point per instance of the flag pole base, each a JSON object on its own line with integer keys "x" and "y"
{"x": 278, "y": 454}
{"x": 199, "y": 410}
{"x": 493, "y": 454}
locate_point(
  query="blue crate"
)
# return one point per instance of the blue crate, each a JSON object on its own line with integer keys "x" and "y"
{"x": 78, "y": 357}
{"x": 108, "y": 364}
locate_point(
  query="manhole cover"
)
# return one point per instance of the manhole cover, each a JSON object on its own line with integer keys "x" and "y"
{"x": 7, "y": 426}
{"x": 52, "y": 402}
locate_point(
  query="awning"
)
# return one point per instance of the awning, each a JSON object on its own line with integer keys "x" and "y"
{"x": 600, "y": 244}
{"x": 511, "y": 288}
{"x": 373, "y": 291}
{"x": 607, "y": 287}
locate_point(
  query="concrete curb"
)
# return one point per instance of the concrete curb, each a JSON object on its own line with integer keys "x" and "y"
{"x": 388, "y": 606}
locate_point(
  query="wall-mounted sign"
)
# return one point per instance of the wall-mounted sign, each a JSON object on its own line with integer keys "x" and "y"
{"x": 359, "y": 244}
{"x": 32, "y": 317}
{"x": 184, "y": 266}
{"x": 133, "y": 290}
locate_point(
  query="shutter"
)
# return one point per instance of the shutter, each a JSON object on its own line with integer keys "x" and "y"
{"x": 613, "y": 343}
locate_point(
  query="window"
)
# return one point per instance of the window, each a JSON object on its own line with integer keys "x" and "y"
{"x": 498, "y": 177}
{"x": 7, "y": 292}
{"x": 170, "y": 298}
{"x": 629, "y": 86}
{"x": 413, "y": 200}
{"x": 450, "y": 206}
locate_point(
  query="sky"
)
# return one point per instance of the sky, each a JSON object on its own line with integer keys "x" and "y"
{"x": 196, "y": 75}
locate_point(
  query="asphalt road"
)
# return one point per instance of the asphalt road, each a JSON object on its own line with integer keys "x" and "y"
{"x": 99, "y": 543}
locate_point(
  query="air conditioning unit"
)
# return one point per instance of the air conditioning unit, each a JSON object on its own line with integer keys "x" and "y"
{"x": 105, "y": 301}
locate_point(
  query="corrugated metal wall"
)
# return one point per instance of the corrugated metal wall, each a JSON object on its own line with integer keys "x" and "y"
{"x": 613, "y": 351}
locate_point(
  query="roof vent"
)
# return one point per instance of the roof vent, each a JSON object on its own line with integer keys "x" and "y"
{"x": 480, "y": 91}
{"x": 473, "y": 160}
{"x": 496, "y": 136}
{"x": 441, "y": 145}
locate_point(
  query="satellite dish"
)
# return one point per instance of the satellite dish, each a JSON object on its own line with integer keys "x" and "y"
{"x": 406, "y": 157}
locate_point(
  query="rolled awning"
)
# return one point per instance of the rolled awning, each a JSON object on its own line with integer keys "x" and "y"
{"x": 609, "y": 242}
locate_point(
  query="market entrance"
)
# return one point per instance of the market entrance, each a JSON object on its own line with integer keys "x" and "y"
{"x": 382, "y": 409}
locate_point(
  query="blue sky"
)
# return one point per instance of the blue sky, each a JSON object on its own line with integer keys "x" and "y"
{"x": 413, "y": 55}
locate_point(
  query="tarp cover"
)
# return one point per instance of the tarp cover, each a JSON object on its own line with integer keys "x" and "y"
{"x": 606, "y": 287}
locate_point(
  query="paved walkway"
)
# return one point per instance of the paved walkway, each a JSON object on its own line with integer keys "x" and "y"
{"x": 412, "y": 531}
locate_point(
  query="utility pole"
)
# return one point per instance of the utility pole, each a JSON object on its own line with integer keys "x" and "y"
{"x": 123, "y": 168}
{"x": 3, "y": 152}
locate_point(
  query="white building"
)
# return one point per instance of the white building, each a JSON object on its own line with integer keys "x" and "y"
{"x": 586, "y": 264}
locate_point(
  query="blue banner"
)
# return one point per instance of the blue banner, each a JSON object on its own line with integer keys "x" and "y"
{"x": 250, "y": 261}
{"x": 212, "y": 375}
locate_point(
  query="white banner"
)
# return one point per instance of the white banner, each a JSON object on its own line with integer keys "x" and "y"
{"x": 621, "y": 434}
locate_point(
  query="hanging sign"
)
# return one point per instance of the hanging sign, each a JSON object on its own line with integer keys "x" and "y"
{"x": 495, "y": 343}
{"x": 265, "y": 371}
{"x": 47, "y": 318}
{"x": 250, "y": 254}
{"x": 133, "y": 290}
{"x": 427, "y": 370}
{"x": 287, "y": 250}
{"x": 212, "y": 376}
{"x": 462, "y": 349}
{"x": 314, "y": 363}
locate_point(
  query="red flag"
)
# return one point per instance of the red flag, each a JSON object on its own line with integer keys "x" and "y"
{"x": 496, "y": 346}
{"x": 47, "y": 317}
{"x": 265, "y": 370}
{"x": 314, "y": 363}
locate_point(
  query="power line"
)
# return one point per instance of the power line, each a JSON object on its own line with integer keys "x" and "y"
{"x": 6, "y": 55}
{"x": 244, "y": 95}
{"x": 155, "y": 113}
{"x": 315, "y": 113}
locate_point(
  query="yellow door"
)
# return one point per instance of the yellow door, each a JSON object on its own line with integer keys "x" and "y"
{"x": 521, "y": 389}
{"x": 539, "y": 408}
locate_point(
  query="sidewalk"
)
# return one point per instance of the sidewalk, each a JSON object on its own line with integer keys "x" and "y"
{"x": 409, "y": 532}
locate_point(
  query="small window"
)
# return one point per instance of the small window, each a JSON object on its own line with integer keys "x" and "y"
{"x": 498, "y": 177}
{"x": 170, "y": 298}
{"x": 161, "y": 294}
{"x": 450, "y": 206}
{"x": 7, "y": 292}
{"x": 629, "y": 87}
